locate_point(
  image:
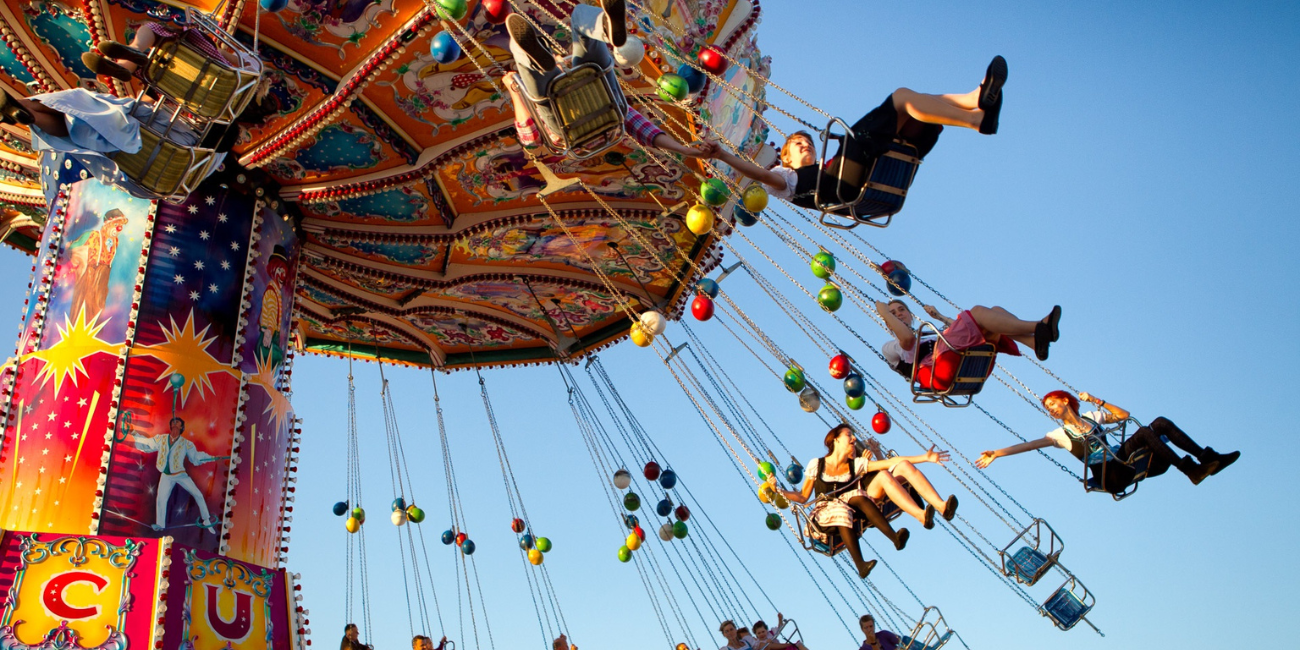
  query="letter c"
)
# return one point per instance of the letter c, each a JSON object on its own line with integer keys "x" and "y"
{"x": 52, "y": 596}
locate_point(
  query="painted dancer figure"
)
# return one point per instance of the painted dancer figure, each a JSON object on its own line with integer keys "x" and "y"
{"x": 173, "y": 450}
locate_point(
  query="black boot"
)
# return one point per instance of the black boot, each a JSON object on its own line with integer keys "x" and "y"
{"x": 1196, "y": 472}
{"x": 616, "y": 14}
{"x": 950, "y": 508}
{"x": 11, "y": 112}
{"x": 1209, "y": 455}
{"x": 928, "y": 519}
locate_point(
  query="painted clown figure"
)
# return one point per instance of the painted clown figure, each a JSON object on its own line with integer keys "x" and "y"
{"x": 173, "y": 450}
{"x": 270, "y": 349}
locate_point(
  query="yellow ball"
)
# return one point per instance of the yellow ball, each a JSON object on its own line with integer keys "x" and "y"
{"x": 699, "y": 219}
{"x": 780, "y": 501}
{"x": 535, "y": 556}
{"x": 765, "y": 493}
{"x": 352, "y": 524}
{"x": 755, "y": 198}
{"x": 633, "y": 541}
{"x": 641, "y": 337}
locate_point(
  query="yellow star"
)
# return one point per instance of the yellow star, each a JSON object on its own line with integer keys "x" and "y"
{"x": 185, "y": 352}
{"x": 77, "y": 341}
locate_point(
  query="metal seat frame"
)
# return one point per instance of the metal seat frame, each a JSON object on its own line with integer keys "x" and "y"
{"x": 1033, "y": 537}
{"x": 1139, "y": 461}
{"x": 949, "y": 397}
{"x": 840, "y": 203}
{"x": 803, "y": 517}
{"x": 1076, "y": 588}
{"x": 930, "y": 633}
{"x": 570, "y": 81}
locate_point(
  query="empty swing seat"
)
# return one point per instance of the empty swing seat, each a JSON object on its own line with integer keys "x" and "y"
{"x": 1029, "y": 564}
{"x": 908, "y": 643}
{"x": 1065, "y": 608}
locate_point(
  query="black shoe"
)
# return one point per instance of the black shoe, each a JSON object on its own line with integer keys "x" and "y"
{"x": 522, "y": 33}
{"x": 1222, "y": 460}
{"x": 616, "y": 14}
{"x": 990, "y": 100}
{"x": 1054, "y": 321}
{"x": 11, "y": 112}
{"x": 900, "y": 539}
{"x": 950, "y": 508}
{"x": 1197, "y": 472}
{"x": 865, "y": 568}
{"x": 115, "y": 50}
{"x": 102, "y": 66}
{"x": 928, "y": 521}
{"x": 1042, "y": 340}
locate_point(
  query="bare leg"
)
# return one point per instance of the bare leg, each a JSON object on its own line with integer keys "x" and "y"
{"x": 143, "y": 40}
{"x": 933, "y": 109}
{"x": 920, "y": 483}
{"x": 997, "y": 320}
{"x": 966, "y": 101}
{"x": 884, "y": 484}
{"x": 47, "y": 119}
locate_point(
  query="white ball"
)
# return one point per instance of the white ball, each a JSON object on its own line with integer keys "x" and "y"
{"x": 399, "y": 517}
{"x": 666, "y": 532}
{"x": 622, "y": 479}
{"x": 654, "y": 321}
{"x": 631, "y": 53}
{"x": 809, "y": 399}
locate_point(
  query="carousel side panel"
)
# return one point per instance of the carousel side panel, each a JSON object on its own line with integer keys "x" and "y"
{"x": 257, "y": 518}
{"x": 216, "y": 603}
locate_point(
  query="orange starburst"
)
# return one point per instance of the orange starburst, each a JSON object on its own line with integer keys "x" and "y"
{"x": 78, "y": 341}
{"x": 278, "y": 406}
{"x": 185, "y": 353}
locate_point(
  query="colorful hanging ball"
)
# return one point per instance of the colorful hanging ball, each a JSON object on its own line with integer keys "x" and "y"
{"x": 694, "y": 78}
{"x": 823, "y": 265}
{"x": 630, "y": 54}
{"x": 495, "y": 11}
{"x": 641, "y": 335}
{"x": 639, "y": 532}
{"x": 744, "y": 217}
{"x": 900, "y": 282}
{"x": 526, "y": 542}
{"x": 666, "y": 532}
{"x": 707, "y": 286}
{"x": 624, "y": 554}
{"x": 517, "y": 525}
{"x": 672, "y": 88}
{"x": 398, "y": 517}
{"x": 682, "y": 513}
{"x": 340, "y": 508}
{"x": 535, "y": 557}
{"x": 467, "y": 547}
{"x": 840, "y": 366}
{"x": 399, "y": 504}
{"x": 830, "y": 297}
{"x": 682, "y": 646}
{"x": 631, "y": 521}
{"x": 794, "y": 473}
{"x": 352, "y": 524}
{"x": 177, "y": 380}
{"x": 544, "y": 544}
{"x": 880, "y": 422}
{"x": 668, "y": 479}
{"x": 622, "y": 479}
{"x": 664, "y": 507}
{"x": 754, "y": 198}
{"x": 765, "y": 493}
{"x": 773, "y": 521}
{"x": 711, "y": 60}
{"x": 451, "y": 9}
{"x": 794, "y": 380}
{"x": 714, "y": 192}
{"x": 444, "y": 48}
{"x": 780, "y": 501}
{"x": 702, "y": 307}
{"x": 700, "y": 218}
{"x": 415, "y": 514}
{"x": 809, "y": 399}
{"x": 654, "y": 322}
{"x": 359, "y": 514}
{"x": 460, "y": 538}
{"x": 448, "y": 537}
{"x": 855, "y": 403}
{"x": 679, "y": 530}
{"x": 765, "y": 469}
{"x": 854, "y": 386}
{"x": 632, "y": 542}
{"x": 651, "y": 471}
{"x": 890, "y": 266}
{"x": 273, "y": 6}
{"x": 631, "y": 501}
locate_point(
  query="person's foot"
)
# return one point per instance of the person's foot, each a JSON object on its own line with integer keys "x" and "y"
{"x": 12, "y": 112}
{"x": 900, "y": 539}
{"x": 523, "y": 34}
{"x": 864, "y": 568}
{"x": 950, "y": 508}
{"x": 115, "y": 50}
{"x": 928, "y": 519}
{"x": 1053, "y": 321}
{"x": 616, "y": 14}
{"x": 1221, "y": 460}
{"x": 1042, "y": 340}
{"x": 1197, "y": 472}
{"x": 103, "y": 66}
{"x": 990, "y": 100}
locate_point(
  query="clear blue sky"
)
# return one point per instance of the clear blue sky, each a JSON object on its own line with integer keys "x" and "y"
{"x": 1139, "y": 181}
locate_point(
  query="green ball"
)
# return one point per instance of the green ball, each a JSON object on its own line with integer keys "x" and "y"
{"x": 765, "y": 469}
{"x": 679, "y": 530}
{"x": 773, "y": 521}
{"x": 624, "y": 554}
{"x": 673, "y": 88}
{"x": 452, "y": 9}
{"x": 830, "y": 297}
{"x": 544, "y": 544}
{"x": 856, "y": 403}
{"x": 415, "y": 514}
{"x": 632, "y": 502}
{"x": 794, "y": 380}
{"x": 714, "y": 192}
{"x": 823, "y": 265}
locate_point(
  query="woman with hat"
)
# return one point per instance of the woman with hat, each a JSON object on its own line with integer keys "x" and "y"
{"x": 1155, "y": 437}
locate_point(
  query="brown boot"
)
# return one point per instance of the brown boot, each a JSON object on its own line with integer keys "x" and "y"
{"x": 103, "y": 66}
{"x": 115, "y": 50}
{"x": 11, "y": 112}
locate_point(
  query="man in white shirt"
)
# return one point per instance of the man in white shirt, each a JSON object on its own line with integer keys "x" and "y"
{"x": 173, "y": 450}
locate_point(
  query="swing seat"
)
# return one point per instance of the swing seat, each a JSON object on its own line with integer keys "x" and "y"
{"x": 1065, "y": 608}
{"x": 206, "y": 88}
{"x": 908, "y": 643}
{"x": 1103, "y": 466}
{"x": 1039, "y": 551}
{"x": 955, "y": 374}
{"x": 876, "y": 200}
{"x": 818, "y": 539}
{"x": 1029, "y": 564}
{"x": 930, "y": 633}
{"x": 589, "y": 111}
{"x": 169, "y": 164}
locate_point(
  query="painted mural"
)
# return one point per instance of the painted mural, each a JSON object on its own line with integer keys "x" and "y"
{"x": 477, "y": 332}
{"x": 270, "y": 293}
{"x": 267, "y": 433}
{"x": 579, "y": 308}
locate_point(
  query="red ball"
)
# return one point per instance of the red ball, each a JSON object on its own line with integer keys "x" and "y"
{"x": 683, "y": 513}
{"x": 711, "y": 60}
{"x": 652, "y": 471}
{"x": 496, "y": 11}
{"x": 702, "y": 307}
{"x": 888, "y": 267}
{"x": 517, "y": 525}
{"x": 640, "y": 532}
{"x": 840, "y": 366}
{"x": 460, "y": 538}
{"x": 880, "y": 422}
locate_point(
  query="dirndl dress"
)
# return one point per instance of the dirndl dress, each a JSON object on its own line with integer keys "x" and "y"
{"x": 831, "y": 513}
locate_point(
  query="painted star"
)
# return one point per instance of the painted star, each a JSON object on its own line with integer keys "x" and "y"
{"x": 67, "y": 424}
{"x": 198, "y": 264}
{"x": 234, "y": 245}
{"x": 194, "y": 295}
{"x": 173, "y": 251}
{"x": 51, "y": 417}
{"x": 62, "y": 479}
{"x": 38, "y": 490}
{"x": 171, "y": 229}
{"x": 203, "y": 234}
{"x": 209, "y": 200}
{"x": 225, "y": 265}
{"x": 42, "y": 469}
{"x": 81, "y": 402}
{"x": 221, "y": 218}
{"x": 193, "y": 209}
{"x": 67, "y": 459}
{"x": 45, "y": 452}
{"x": 75, "y": 435}
{"x": 48, "y": 436}
{"x": 178, "y": 278}
{"x": 212, "y": 288}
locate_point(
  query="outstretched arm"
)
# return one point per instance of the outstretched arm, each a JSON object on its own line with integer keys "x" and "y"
{"x": 938, "y": 457}
{"x": 744, "y": 167}
{"x": 988, "y": 457}
{"x": 935, "y": 314}
{"x": 669, "y": 143}
{"x": 906, "y": 337}
{"x": 1113, "y": 413}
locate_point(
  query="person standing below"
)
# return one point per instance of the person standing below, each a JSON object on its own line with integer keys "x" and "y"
{"x": 173, "y": 450}
{"x": 881, "y": 640}
{"x": 350, "y": 636}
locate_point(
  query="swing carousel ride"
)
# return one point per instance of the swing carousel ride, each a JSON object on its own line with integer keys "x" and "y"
{"x": 372, "y": 200}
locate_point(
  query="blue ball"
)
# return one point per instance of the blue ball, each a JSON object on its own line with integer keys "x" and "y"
{"x": 340, "y": 508}
{"x": 526, "y": 542}
{"x": 854, "y": 386}
{"x": 630, "y": 521}
{"x": 901, "y": 278}
{"x": 744, "y": 217}
{"x": 694, "y": 78}
{"x": 664, "y": 508}
{"x": 707, "y": 286}
{"x": 399, "y": 504}
{"x": 273, "y": 6}
{"x": 177, "y": 380}
{"x": 794, "y": 474}
{"x": 444, "y": 48}
{"x": 448, "y": 537}
{"x": 668, "y": 479}
{"x": 468, "y": 547}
